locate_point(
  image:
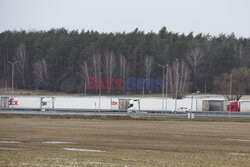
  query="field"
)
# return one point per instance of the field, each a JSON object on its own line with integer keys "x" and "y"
{"x": 96, "y": 142}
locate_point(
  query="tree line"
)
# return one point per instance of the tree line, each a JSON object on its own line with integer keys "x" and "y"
{"x": 62, "y": 60}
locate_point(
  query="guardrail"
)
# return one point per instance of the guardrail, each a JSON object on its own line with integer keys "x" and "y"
{"x": 142, "y": 113}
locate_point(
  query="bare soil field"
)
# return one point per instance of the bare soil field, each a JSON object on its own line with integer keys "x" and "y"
{"x": 72, "y": 142}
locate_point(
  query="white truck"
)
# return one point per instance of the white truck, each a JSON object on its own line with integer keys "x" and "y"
{"x": 91, "y": 103}
{"x": 134, "y": 105}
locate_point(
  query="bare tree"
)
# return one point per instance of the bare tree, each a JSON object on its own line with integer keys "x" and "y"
{"x": 148, "y": 66}
{"x": 124, "y": 69}
{"x": 239, "y": 53}
{"x": 40, "y": 73}
{"x": 183, "y": 78}
{"x": 85, "y": 70}
{"x": 20, "y": 57}
{"x": 171, "y": 82}
{"x": 109, "y": 62}
{"x": 194, "y": 58}
{"x": 96, "y": 66}
{"x": 240, "y": 83}
{"x": 96, "y": 63}
{"x": 178, "y": 76}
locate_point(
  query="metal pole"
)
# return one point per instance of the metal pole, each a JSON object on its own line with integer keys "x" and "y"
{"x": 176, "y": 85}
{"x": 143, "y": 88}
{"x": 231, "y": 77}
{"x": 163, "y": 87}
{"x": 85, "y": 91}
{"x": 192, "y": 104}
{"x": 163, "y": 69}
{"x": 192, "y": 97}
{"x": 100, "y": 90}
{"x": 166, "y": 102}
{"x": 12, "y": 82}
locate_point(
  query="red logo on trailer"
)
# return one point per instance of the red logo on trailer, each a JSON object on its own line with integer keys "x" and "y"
{"x": 113, "y": 103}
{"x": 13, "y": 102}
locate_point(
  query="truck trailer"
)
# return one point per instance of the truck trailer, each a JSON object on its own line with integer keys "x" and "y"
{"x": 91, "y": 103}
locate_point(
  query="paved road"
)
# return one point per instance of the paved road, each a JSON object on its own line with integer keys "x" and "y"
{"x": 122, "y": 113}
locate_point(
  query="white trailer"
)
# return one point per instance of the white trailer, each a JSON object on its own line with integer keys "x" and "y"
{"x": 159, "y": 104}
{"x": 92, "y": 103}
{"x": 24, "y": 102}
{"x": 244, "y": 106}
{"x": 50, "y": 103}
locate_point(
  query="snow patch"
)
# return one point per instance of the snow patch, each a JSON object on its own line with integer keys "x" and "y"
{"x": 241, "y": 154}
{"x": 9, "y": 141}
{"x": 244, "y": 140}
{"x": 97, "y": 163}
{"x": 85, "y": 150}
{"x": 57, "y": 142}
{"x": 12, "y": 149}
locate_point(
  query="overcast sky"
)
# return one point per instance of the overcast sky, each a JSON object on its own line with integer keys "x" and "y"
{"x": 182, "y": 16}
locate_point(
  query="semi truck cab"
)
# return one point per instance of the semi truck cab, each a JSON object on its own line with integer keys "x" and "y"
{"x": 233, "y": 107}
{"x": 133, "y": 105}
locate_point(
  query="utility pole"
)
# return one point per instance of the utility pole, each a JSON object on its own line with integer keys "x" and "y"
{"x": 100, "y": 90}
{"x": 163, "y": 74}
{"x": 176, "y": 84}
{"x": 85, "y": 89}
{"x": 231, "y": 77}
{"x": 192, "y": 97}
{"x": 12, "y": 67}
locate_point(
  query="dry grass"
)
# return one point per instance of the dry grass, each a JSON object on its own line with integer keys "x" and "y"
{"x": 125, "y": 142}
{"x": 23, "y": 92}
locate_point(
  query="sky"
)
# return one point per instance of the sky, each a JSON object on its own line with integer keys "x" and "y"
{"x": 180, "y": 16}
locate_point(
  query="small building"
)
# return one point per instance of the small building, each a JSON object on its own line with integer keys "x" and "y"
{"x": 214, "y": 105}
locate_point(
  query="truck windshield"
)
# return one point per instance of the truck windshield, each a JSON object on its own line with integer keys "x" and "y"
{"x": 130, "y": 105}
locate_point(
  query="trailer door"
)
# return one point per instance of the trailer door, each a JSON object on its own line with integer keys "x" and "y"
{"x": 123, "y": 104}
{"x": 4, "y": 102}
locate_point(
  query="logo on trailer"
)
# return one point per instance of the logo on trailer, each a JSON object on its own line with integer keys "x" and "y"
{"x": 114, "y": 102}
{"x": 13, "y": 102}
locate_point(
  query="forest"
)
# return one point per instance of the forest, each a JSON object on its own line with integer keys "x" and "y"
{"x": 63, "y": 60}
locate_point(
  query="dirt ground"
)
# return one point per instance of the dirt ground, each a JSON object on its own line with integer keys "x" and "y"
{"x": 72, "y": 142}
